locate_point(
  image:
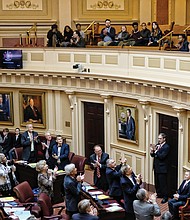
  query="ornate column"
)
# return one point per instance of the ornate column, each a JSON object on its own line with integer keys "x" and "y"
{"x": 107, "y": 122}
{"x": 58, "y": 113}
{"x": 74, "y": 121}
{"x": 64, "y": 13}
{"x": 50, "y": 110}
{"x": 180, "y": 112}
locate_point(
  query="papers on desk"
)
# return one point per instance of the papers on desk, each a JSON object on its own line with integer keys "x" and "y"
{"x": 7, "y": 199}
{"x": 89, "y": 187}
{"x": 101, "y": 197}
{"x": 114, "y": 208}
{"x": 19, "y": 211}
{"x": 93, "y": 193}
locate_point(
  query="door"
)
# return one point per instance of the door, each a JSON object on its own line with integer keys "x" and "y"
{"x": 169, "y": 126}
{"x": 93, "y": 126}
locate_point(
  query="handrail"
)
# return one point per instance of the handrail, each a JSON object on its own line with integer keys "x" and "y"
{"x": 34, "y": 27}
{"x": 168, "y": 34}
{"x": 93, "y": 29}
{"x": 186, "y": 29}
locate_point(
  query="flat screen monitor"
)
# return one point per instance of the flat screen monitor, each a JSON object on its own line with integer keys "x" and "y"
{"x": 11, "y": 59}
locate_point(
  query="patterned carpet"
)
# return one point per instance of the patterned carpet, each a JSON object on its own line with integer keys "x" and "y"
{"x": 164, "y": 207}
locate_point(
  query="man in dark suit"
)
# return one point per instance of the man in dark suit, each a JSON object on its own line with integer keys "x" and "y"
{"x": 130, "y": 183}
{"x": 6, "y": 142}
{"x": 72, "y": 187}
{"x": 180, "y": 198}
{"x": 47, "y": 146}
{"x": 160, "y": 153}
{"x": 60, "y": 153}
{"x": 98, "y": 163}
{"x": 130, "y": 126}
{"x": 17, "y": 138}
{"x": 113, "y": 174}
{"x": 29, "y": 140}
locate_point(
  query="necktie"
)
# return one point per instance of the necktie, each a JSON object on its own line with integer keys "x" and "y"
{"x": 32, "y": 141}
{"x": 98, "y": 169}
{"x": 35, "y": 115}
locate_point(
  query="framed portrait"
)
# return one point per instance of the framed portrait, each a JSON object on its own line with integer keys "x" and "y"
{"x": 32, "y": 108}
{"x": 6, "y": 108}
{"x": 127, "y": 123}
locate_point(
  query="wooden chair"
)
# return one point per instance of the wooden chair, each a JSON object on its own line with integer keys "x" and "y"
{"x": 18, "y": 153}
{"x": 184, "y": 211}
{"x": 48, "y": 210}
{"x": 79, "y": 162}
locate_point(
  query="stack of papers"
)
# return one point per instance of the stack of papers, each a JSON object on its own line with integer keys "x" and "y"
{"x": 89, "y": 187}
{"x": 101, "y": 197}
{"x": 7, "y": 199}
{"x": 92, "y": 193}
{"x": 114, "y": 209}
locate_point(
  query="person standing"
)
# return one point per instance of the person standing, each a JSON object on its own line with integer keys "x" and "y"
{"x": 160, "y": 153}
{"x": 180, "y": 198}
{"x": 29, "y": 140}
{"x": 98, "y": 164}
{"x": 54, "y": 37}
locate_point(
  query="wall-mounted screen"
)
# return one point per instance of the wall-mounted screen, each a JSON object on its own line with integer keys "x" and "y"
{"x": 11, "y": 59}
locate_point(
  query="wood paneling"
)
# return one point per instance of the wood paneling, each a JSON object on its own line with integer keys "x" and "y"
{"x": 162, "y": 11}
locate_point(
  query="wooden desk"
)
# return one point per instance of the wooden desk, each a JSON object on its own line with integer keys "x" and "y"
{"x": 29, "y": 174}
{"x": 102, "y": 213}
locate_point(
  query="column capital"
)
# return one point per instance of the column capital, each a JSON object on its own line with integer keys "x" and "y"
{"x": 145, "y": 107}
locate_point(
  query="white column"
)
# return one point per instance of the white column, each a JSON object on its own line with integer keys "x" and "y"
{"x": 50, "y": 111}
{"x": 64, "y": 13}
{"x": 58, "y": 113}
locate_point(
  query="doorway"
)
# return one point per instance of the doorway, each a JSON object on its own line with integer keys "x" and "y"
{"x": 93, "y": 126}
{"x": 169, "y": 126}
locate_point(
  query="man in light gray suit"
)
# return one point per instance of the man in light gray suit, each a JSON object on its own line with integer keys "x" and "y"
{"x": 145, "y": 208}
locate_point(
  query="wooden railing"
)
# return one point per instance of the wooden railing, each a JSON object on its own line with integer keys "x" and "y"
{"x": 28, "y": 36}
{"x": 165, "y": 36}
{"x": 186, "y": 30}
{"x": 91, "y": 27}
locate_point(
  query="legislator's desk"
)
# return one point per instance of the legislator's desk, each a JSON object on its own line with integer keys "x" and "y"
{"x": 108, "y": 209}
{"x": 27, "y": 172}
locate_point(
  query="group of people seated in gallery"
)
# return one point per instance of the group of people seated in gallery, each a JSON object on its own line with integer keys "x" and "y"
{"x": 109, "y": 37}
{"x": 118, "y": 181}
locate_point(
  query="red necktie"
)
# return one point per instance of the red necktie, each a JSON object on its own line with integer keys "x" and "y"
{"x": 98, "y": 169}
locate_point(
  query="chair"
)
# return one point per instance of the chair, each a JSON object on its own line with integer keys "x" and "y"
{"x": 184, "y": 211}
{"x": 79, "y": 162}
{"x": 48, "y": 210}
{"x": 18, "y": 153}
{"x": 71, "y": 154}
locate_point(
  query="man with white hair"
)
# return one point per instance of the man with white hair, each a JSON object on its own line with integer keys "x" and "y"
{"x": 72, "y": 187}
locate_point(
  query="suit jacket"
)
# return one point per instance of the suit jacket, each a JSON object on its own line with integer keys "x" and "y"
{"x": 17, "y": 143}
{"x": 7, "y": 143}
{"x": 25, "y": 142}
{"x": 184, "y": 192}
{"x": 130, "y": 128}
{"x": 84, "y": 216}
{"x": 111, "y": 33}
{"x": 103, "y": 160}
{"x": 129, "y": 192}
{"x": 29, "y": 113}
{"x": 72, "y": 193}
{"x": 64, "y": 156}
{"x": 113, "y": 178}
{"x": 145, "y": 210}
{"x": 160, "y": 164}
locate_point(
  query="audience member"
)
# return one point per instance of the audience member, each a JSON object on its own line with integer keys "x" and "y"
{"x": 146, "y": 207}
{"x": 31, "y": 113}
{"x": 113, "y": 174}
{"x": 16, "y": 142}
{"x": 121, "y": 36}
{"x": 155, "y": 35}
{"x": 107, "y": 34}
{"x": 54, "y": 37}
{"x": 47, "y": 146}
{"x": 160, "y": 152}
{"x": 183, "y": 44}
{"x": 29, "y": 141}
{"x": 130, "y": 185}
{"x": 76, "y": 40}
{"x": 67, "y": 35}
{"x": 72, "y": 187}
{"x": 180, "y": 198}
{"x": 45, "y": 178}
{"x": 60, "y": 153}
{"x": 144, "y": 36}
{"x": 78, "y": 28}
{"x": 7, "y": 176}
{"x": 86, "y": 211}
{"x": 6, "y": 142}
{"x": 166, "y": 216}
{"x": 98, "y": 163}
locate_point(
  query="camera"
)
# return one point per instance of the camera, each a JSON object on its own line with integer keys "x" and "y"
{"x": 78, "y": 66}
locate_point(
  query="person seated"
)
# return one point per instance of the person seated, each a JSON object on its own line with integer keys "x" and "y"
{"x": 7, "y": 176}
{"x": 76, "y": 40}
{"x": 45, "y": 178}
{"x": 133, "y": 37}
{"x": 6, "y": 142}
{"x": 72, "y": 186}
{"x": 130, "y": 184}
{"x": 183, "y": 44}
{"x": 146, "y": 207}
{"x": 47, "y": 146}
{"x": 113, "y": 174}
{"x": 121, "y": 36}
{"x": 107, "y": 34}
{"x": 155, "y": 34}
{"x": 60, "y": 153}
{"x": 67, "y": 35}
{"x": 78, "y": 28}
{"x": 144, "y": 36}
{"x": 98, "y": 164}
{"x": 180, "y": 198}
{"x": 54, "y": 37}
{"x": 86, "y": 211}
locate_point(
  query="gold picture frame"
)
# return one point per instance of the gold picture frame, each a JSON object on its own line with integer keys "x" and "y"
{"x": 127, "y": 123}
{"x": 6, "y": 108}
{"x": 32, "y": 108}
